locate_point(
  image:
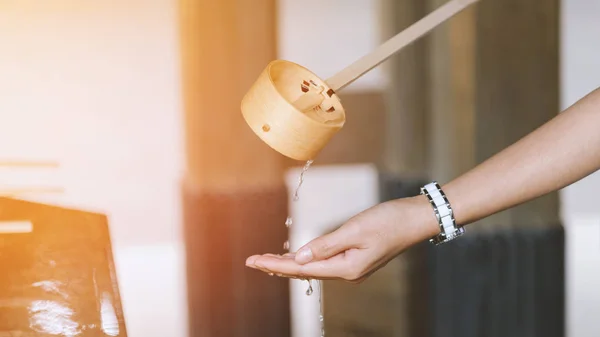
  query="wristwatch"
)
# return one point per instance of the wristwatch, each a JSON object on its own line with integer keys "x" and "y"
{"x": 443, "y": 213}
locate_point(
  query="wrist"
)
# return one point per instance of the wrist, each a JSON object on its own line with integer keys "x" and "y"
{"x": 418, "y": 218}
{"x": 426, "y": 218}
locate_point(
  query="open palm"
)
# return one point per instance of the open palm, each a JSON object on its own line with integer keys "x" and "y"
{"x": 358, "y": 248}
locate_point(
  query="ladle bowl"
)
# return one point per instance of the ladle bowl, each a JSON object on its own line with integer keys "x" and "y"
{"x": 271, "y": 110}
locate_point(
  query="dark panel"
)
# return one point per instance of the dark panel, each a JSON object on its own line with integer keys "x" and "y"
{"x": 393, "y": 187}
{"x": 497, "y": 283}
{"x": 225, "y": 297}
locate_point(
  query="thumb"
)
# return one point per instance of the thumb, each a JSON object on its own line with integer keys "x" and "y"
{"x": 325, "y": 246}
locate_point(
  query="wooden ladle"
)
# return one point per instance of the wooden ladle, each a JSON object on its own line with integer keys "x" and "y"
{"x": 297, "y": 113}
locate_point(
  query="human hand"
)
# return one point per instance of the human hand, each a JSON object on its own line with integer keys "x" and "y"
{"x": 365, "y": 243}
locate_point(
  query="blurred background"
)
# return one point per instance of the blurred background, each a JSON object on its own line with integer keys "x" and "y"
{"x": 138, "y": 101}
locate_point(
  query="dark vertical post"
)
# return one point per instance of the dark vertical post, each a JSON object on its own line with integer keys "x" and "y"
{"x": 494, "y": 78}
{"x": 518, "y": 87}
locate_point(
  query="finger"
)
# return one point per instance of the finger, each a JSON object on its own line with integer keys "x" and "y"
{"x": 251, "y": 261}
{"x": 328, "y": 245}
{"x": 335, "y": 267}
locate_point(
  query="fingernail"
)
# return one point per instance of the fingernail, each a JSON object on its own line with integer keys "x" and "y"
{"x": 304, "y": 255}
{"x": 250, "y": 261}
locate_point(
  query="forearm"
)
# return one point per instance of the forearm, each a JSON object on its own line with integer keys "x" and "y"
{"x": 561, "y": 152}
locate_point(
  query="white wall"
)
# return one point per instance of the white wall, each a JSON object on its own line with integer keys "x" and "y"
{"x": 327, "y": 36}
{"x": 580, "y": 74}
{"x": 94, "y": 85}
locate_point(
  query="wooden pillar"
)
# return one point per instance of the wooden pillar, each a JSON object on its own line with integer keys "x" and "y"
{"x": 451, "y": 85}
{"x": 235, "y": 200}
{"x": 517, "y": 76}
{"x": 406, "y": 97}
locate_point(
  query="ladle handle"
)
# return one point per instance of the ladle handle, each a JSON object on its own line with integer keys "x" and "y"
{"x": 399, "y": 41}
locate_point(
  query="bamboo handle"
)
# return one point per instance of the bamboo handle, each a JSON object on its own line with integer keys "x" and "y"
{"x": 393, "y": 45}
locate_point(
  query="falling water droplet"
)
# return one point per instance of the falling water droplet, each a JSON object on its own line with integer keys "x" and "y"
{"x": 301, "y": 179}
{"x": 309, "y": 291}
{"x": 321, "y": 319}
{"x": 286, "y": 246}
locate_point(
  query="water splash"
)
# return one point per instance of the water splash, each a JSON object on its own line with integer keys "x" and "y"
{"x": 309, "y": 292}
{"x": 321, "y": 319}
{"x": 52, "y": 318}
{"x": 301, "y": 179}
{"x": 51, "y": 286}
{"x": 108, "y": 316}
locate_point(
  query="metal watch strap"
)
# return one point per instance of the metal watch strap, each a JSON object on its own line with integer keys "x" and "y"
{"x": 443, "y": 213}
